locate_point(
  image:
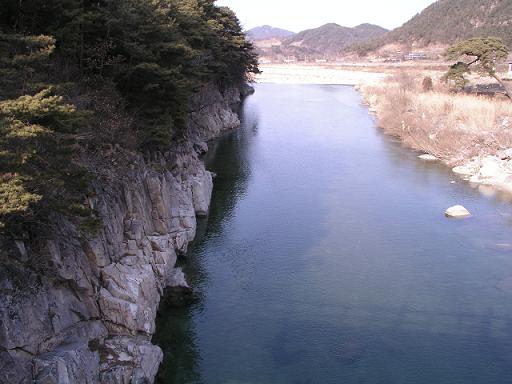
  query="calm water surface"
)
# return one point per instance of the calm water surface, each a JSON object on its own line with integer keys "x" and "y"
{"x": 326, "y": 258}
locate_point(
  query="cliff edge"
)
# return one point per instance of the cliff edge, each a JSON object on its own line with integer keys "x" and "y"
{"x": 80, "y": 308}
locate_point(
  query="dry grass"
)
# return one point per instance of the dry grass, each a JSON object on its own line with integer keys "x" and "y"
{"x": 453, "y": 127}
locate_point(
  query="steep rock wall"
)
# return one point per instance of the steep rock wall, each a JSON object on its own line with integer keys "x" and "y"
{"x": 80, "y": 308}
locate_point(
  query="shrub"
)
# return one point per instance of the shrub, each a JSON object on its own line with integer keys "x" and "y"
{"x": 427, "y": 84}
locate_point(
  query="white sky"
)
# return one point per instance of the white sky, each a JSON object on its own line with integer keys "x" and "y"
{"x": 297, "y": 15}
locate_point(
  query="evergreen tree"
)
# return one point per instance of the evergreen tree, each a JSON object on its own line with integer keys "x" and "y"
{"x": 154, "y": 53}
{"x": 481, "y": 54}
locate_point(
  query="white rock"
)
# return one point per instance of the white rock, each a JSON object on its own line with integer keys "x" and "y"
{"x": 202, "y": 187}
{"x": 457, "y": 211}
{"x": 489, "y": 159}
{"x": 491, "y": 168}
{"x": 427, "y": 157}
{"x": 177, "y": 279}
{"x": 466, "y": 169}
{"x": 507, "y": 165}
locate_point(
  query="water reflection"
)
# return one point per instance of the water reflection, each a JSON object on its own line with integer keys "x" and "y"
{"x": 327, "y": 258}
{"x": 228, "y": 159}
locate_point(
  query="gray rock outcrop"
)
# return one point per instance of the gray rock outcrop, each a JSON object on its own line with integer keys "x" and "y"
{"x": 80, "y": 308}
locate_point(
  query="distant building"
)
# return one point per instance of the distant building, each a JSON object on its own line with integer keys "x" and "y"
{"x": 321, "y": 61}
{"x": 415, "y": 56}
{"x": 510, "y": 68}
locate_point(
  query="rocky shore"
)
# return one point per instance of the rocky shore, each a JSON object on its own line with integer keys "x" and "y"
{"x": 80, "y": 308}
{"x": 489, "y": 170}
{"x": 468, "y": 133}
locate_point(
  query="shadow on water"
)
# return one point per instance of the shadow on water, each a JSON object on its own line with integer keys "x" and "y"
{"x": 326, "y": 258}
{"x": 175, "y": 334}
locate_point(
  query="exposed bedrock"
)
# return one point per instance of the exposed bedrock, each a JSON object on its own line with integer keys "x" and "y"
{"x": 80, "y": 308}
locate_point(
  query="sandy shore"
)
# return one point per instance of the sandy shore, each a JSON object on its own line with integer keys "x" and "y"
{"x": 314, "y": 74}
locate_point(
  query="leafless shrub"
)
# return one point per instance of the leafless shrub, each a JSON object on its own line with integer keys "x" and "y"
{"x": 427, "y": 84}
{"x": 450, "y": 126}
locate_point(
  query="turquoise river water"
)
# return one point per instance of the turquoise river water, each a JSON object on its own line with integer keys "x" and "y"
{"x": 326, "y": 258}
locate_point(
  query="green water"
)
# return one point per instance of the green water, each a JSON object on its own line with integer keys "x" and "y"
{"x": 326, "y": 258}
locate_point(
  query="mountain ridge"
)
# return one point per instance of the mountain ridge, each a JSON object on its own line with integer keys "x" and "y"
{"x": 326, "y": 41}
{"x": 332, "y": 38}
{"x": 264, "y": 32}
{"x": 457, "y": 20}
{"x": 446, "y": 22}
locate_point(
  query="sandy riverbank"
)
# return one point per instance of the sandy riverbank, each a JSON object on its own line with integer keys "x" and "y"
{"x": 314, "y": 74}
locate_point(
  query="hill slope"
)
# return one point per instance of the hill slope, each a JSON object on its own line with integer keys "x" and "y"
{"x": 330, "y": 39}
{"x": 267, "y": 32}
{"x": 447, "y": 21}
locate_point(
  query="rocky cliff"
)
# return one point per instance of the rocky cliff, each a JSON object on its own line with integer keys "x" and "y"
{"x": 77, "y": 307}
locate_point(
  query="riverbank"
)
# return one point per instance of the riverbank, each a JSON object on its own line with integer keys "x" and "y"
{"x": 470, "y": 134}
{"x": 358, "y": 277}
{"x": 315, "y": 74}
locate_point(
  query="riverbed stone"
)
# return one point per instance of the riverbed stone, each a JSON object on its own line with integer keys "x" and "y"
{"x": 468, "y": 169}
{"x": 457, "y": 211}
{"x": 427, "y": 157}
{"x": 491, "y": 168}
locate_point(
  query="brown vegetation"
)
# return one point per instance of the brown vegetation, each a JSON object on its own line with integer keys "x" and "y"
{"x": 453, "y": 127}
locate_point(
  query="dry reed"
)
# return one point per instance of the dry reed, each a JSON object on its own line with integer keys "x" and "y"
{"x": 453, "y": 127}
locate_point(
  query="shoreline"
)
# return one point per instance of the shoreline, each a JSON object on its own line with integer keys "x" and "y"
{"x": 99, "y": 329}
{"x": 487, "y": 169}
{"x": 313, "y": 74}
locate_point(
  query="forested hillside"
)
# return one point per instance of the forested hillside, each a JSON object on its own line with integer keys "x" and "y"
{"x": 449, "y": 21}
{"x": 327, "y": 41}
{"x": 331, "y": 38}
{"x": 78, "y": 76}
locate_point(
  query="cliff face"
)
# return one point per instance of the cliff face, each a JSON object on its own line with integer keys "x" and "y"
{"x": 79, "y": 308}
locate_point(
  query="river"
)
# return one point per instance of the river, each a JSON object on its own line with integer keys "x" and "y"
{"x": 326, "y": 258}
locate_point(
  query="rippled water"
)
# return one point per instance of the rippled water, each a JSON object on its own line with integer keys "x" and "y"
{"x": 326, "y": 258}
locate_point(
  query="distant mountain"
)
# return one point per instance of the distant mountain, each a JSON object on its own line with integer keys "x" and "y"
{"x": 448, "y": 21}
{"x": 266, "y": 32}
{"x": 330, "y": 39}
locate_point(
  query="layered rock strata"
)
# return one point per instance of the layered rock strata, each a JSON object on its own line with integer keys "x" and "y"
{"x": 80, "y": 308}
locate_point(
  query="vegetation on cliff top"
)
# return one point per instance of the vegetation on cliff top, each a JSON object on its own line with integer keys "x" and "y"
{"x": 76, "y": 75}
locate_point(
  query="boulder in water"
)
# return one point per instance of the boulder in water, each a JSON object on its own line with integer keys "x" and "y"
{"x": 457, "y": 211}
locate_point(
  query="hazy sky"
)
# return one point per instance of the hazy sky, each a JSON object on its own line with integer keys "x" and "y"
{"x": 297, "y": 15}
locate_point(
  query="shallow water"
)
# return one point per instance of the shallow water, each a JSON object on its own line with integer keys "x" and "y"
{"x": 326, "y": 258}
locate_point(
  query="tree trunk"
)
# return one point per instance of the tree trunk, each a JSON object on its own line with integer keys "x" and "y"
{"x": 507, "y": 87}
